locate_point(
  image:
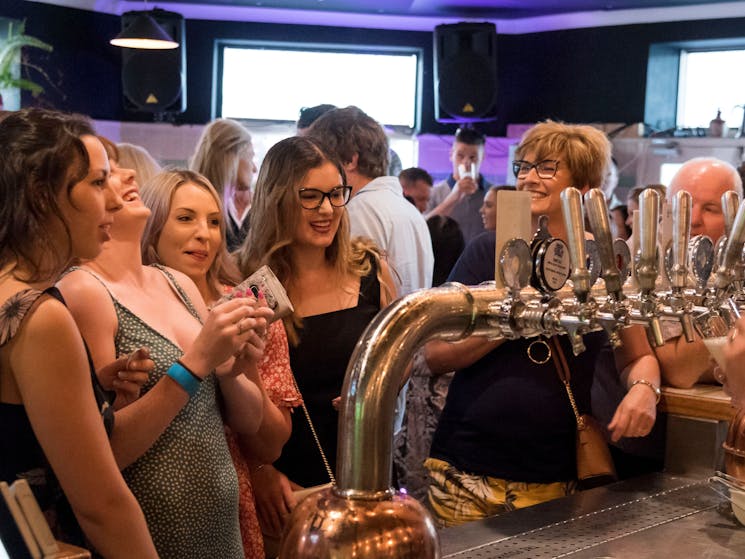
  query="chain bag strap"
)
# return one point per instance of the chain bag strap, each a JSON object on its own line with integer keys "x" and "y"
{"x": 314, "y": 433}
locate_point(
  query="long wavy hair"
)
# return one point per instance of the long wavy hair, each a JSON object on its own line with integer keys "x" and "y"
{"x": 276, "y": 211}
{"x": 41, "y": 155}
{"x": 157, "y": 194}
{"x": 218, "y": 154}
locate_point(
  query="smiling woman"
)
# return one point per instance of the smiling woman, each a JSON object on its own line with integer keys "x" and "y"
{"x": 173, "y": 429}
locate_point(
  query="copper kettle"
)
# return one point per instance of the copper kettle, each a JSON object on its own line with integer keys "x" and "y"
{"x": 734, "y": 446}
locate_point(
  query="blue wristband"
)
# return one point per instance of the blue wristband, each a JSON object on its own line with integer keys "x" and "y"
{"x": 183, "y": 378}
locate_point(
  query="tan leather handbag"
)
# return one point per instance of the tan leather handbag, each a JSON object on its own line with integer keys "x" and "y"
{"x": 594, "y": 462}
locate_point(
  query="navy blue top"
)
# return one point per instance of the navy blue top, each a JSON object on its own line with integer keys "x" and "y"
{"x": 506, "y": 416}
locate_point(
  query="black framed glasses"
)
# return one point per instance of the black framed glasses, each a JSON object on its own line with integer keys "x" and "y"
{"x": 546, "y": 169}
{"x": 312, "y": 198}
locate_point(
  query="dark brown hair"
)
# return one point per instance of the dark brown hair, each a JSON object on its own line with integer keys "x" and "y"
{"x": 347, "y": 132}
{"x": 41, "y": 154}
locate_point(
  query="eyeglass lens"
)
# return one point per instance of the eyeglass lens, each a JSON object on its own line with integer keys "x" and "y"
{"x": 312, "y": 198}
{"x": 545, "y": 169}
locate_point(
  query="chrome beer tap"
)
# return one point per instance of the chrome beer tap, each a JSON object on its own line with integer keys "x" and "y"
{"x": 646, "y": 308}
{"x": 613, "y": 315}
{"x": 678, "y": 304}
{"x": 574, "y": 315}
{"x": 725, "y": 286}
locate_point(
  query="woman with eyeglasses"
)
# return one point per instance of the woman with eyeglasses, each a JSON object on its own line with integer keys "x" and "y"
{"x": 506, "y": 437}
{"x": 337, "y": 284}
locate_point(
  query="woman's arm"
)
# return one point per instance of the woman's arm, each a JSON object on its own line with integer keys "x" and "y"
{"x": 636, "y": 414}
{"x": 443, "y": 357}
{"x": 50, "y": 367}
{"x": 388, "y": 292}
{"x": 685, "y": 363}
{"x": 139, "y": 424}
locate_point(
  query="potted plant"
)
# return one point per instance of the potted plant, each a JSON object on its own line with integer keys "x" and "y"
{"x": 10, "y": 49}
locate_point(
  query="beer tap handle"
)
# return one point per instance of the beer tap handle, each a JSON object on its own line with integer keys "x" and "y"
{"x": 646, "y": 269}
{"x": 682, "y": 203}
{"x": 732, "y": 251}
{"x": 574, "y": 220}
{"x": 730, "y": 204}
{"x": 597, "y": 211}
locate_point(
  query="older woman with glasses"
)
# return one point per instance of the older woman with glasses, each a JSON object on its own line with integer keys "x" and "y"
{"x": 337, "y": 285}
{"x": 506, "y": 437}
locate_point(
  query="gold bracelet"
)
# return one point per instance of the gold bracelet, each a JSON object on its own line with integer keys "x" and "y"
{"x": 645, "y": 382}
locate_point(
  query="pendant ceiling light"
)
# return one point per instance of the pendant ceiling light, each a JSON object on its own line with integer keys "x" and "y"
{"x": 144, "y": 33}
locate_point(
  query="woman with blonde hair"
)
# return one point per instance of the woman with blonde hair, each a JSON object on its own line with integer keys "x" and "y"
{"x": 136, "y": 157}
{"x": 173, "y": 450}
{"x": 506, "y": 437}
{"x": 225, "y": 155}
{"x": 186, "y": 232}
{"x": 337, "y": 285}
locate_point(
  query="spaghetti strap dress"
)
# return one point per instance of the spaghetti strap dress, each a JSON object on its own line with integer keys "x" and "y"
{"x": 185, "y": 483}
{"x": 319, "y": 363}
{"x": 21, "y": 456}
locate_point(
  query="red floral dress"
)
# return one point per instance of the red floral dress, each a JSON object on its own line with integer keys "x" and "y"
{"x": 276, "y": 375}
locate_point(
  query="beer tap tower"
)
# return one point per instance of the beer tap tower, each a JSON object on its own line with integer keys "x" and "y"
{"x": 362, "y": 516}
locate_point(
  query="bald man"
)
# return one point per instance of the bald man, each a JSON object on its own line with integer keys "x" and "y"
{"x": 684, "y": 364}
{"x": 706, "y": 178}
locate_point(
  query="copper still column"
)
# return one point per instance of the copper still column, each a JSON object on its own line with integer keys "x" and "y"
{"x": 362, "y": 516}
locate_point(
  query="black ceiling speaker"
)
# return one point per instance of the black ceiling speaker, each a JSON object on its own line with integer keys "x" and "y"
{"x": 154, "y": 81}
{"x": 465, "y": 72}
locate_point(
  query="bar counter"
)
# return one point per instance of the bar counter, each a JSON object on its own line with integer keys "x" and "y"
{"x": 654, "y": 516}
{"x": 704, "y": 401}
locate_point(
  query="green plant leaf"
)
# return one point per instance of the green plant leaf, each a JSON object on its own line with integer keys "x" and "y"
{"x": 11, "y": 49}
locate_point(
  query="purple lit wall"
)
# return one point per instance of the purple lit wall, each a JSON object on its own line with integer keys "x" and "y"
{"x": 434, "y": 156}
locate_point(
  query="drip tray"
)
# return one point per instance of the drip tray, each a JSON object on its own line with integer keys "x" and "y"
{"x": 630, "y": 528}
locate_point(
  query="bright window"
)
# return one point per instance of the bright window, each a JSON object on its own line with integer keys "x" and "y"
{"x": 273, "y": 82}
{"x": 711, "y": 81}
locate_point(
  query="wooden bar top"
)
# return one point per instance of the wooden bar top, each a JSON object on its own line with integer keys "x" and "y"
{"x": 705, "y": 401}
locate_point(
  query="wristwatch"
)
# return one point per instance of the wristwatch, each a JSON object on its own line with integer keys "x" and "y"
{"x": 645, "y": 382}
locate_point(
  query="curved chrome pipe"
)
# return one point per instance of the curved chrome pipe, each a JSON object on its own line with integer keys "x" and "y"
{"x": 377, "y": 370}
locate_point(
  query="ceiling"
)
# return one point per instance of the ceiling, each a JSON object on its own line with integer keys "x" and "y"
{"x": 486, "y": 9}
{"x": 510, "y": 16}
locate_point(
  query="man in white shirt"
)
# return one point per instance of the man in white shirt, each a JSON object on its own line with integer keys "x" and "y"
{"x": 378, "y": 209}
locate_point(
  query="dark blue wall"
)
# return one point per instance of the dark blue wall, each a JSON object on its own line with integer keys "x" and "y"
{"x": 583, "y": 75}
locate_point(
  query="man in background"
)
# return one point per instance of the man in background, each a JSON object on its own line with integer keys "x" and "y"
{"x": 461, "y": 195}
{"x": 378, "y": 209}
{"x": 308, "y": 116}
{"x": 683, "y": 364}
{"x": 417, "y": 186}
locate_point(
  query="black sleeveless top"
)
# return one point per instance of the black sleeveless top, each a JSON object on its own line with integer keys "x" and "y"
{"x": 319, "y": 363}
{"x": 21, "y": 456}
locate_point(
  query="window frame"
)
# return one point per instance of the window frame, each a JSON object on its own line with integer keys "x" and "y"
{"x": 221, "y": 44}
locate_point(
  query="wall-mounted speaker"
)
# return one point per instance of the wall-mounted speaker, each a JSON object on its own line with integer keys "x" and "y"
{"x": 154, "y": 81}
{"x": 465, "y": 56}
